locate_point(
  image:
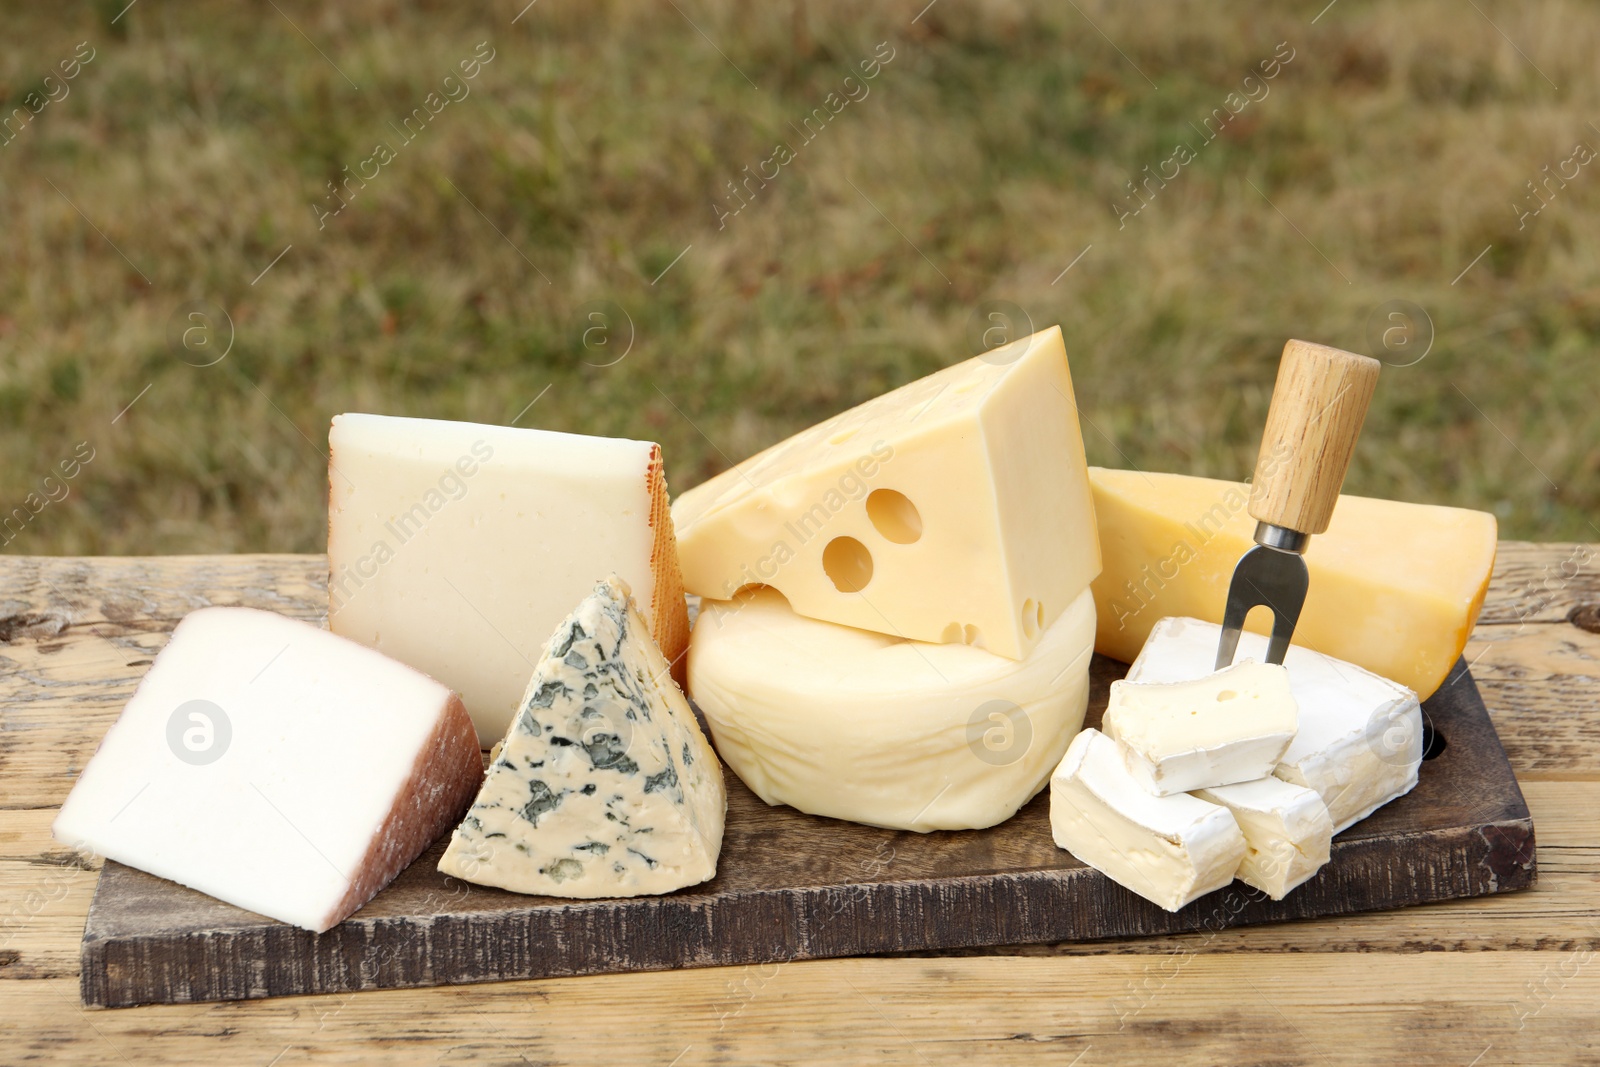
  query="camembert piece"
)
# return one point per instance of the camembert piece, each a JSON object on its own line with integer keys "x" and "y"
{"x": 277, "y": 767}
{"x": 457, "y": 547}
{"x": 1231, "y": 726}
{"x": 1395, "y": 587}
{"x": 858, "y": 725}
{"x": 1168, "y": 850}
{"x": 1286, "y": 827}
{"x": 955, "y": 509}
{"x": 604, "y": 785}
{"x": 1359, "y": 744}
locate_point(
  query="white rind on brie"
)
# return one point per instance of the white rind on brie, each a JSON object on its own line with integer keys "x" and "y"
{"x": 1168, "y": 850}
{"x": 1359, "y": 742}
{"x": 1230, "y": 726}
{"x": 1286, "y": 827}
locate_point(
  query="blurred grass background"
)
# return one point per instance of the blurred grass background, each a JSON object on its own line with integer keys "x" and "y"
{"x": 596, "y": 145}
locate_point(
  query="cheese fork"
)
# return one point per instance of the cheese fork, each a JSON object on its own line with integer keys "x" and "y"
{"x": 1318, "y": 405}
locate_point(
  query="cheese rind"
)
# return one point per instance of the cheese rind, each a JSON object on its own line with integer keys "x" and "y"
{"x": 277, "y": 767}
{"x": 457, "y": 547}
{"x": 955, "y": 509}
{"x": 1169, "y": 850}
{"x": 1230, "y": 726}
{"x": 604, "y": 785}
{"x": 1359, "y": 742}
{"x": 1286, "y": 827}
{"x": 858, "y": 725}
{"x": 1395, "y": 587}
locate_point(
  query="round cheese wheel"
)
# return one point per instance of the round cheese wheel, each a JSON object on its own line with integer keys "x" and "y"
{"x": 876, "y": 729}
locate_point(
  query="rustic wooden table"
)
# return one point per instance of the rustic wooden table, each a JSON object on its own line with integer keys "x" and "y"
{"x": 1507, "y": 979}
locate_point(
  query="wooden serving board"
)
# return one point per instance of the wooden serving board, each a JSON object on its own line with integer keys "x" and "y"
{"x": 793, "y": 886}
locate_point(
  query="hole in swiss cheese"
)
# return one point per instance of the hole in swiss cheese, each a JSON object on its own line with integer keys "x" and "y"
{"x": 848, "y": 564}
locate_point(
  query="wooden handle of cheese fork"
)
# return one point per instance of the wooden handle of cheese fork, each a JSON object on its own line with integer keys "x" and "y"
{"x": 1318, "y": 406}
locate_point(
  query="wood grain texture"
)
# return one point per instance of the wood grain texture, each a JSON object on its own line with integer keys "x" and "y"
{"x": 1195, "y": 1007}
{"x": 1381, "y": 987}
{"x": 791, "y": 886}
{"x": 49, "y": 889}
{"x": 1319, "y": 402}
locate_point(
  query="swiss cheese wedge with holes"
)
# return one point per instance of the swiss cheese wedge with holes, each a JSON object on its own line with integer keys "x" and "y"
{"x": 457, "y": 547}
{"x": 954, "y": 509}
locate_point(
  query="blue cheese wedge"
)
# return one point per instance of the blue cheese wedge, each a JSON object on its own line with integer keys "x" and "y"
{"x": 604, "y": 785}
{"x": 1359, "y": 742}
{"x": 1231, "y": 726}
{"x": 1286, "y": 826}
{"x": 1168, "y": 850}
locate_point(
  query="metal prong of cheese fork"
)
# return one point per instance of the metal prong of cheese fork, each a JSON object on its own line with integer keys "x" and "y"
{"x": 1318, "y": 405}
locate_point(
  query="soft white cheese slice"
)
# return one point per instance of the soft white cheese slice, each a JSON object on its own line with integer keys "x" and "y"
{"x": 1231, "y": 726}
{"x": 1286, "y": 827}
{"x": 277, "y": 767}
{"x": 1168, "y": 850}
{"x": 458, "y": 547}
{"x": 876, "y": 729}
{"x": 604, "y": 785}
{"x": 1359, "y": 744}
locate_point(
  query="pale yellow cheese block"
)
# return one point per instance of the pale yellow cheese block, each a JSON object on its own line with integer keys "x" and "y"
{"x": 954, "y": 509}
{"x": 1395, "y": 587}
{"x": 851, "y": 724}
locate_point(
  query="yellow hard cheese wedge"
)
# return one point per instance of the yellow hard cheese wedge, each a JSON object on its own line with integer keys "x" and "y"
{"x": 953, "y": 509}
{"x": 1395, "y": 587}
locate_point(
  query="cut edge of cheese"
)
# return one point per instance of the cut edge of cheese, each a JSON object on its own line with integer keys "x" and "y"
{"x": 605, "y": 739}
{"x": 427, "y": 798}
{"x": 1359, "y": 742}
{"x": 414, "y": 506}
{"x": 1287, "y": 828}
{"x": 1173, "y": 756}
{"x": 954, "y": 509}
{"x": 1170, "y": 850}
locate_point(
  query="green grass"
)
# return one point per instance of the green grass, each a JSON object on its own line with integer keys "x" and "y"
{"x": 591, "y": 152}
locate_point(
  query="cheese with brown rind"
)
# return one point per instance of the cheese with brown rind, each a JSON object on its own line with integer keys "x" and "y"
{"x": 277, "y": 767}
{"x": 457, "y": 547}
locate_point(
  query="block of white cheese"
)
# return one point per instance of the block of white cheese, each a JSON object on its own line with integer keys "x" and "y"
{"x": 1287, "y": 828}
{"x": 1168, "y": 850}
{"x": 1230, "y": 726}
{"x": 457, "y": 547}
{"x": 1359, "y": 744}
{"x": 858, "y": 725}
{"x": 1414, "y": 574}
{"x": 277, "y": 767}
{"x": 604, "y": 785}
{"x": 955, "y": 509}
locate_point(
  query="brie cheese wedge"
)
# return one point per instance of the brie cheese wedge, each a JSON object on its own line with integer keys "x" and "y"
{"x": 1168, "y": 850}
{"x": 1359, "y": 742}
{"x": 1231, "y": 726}
{"x": 1287, "y": 829}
